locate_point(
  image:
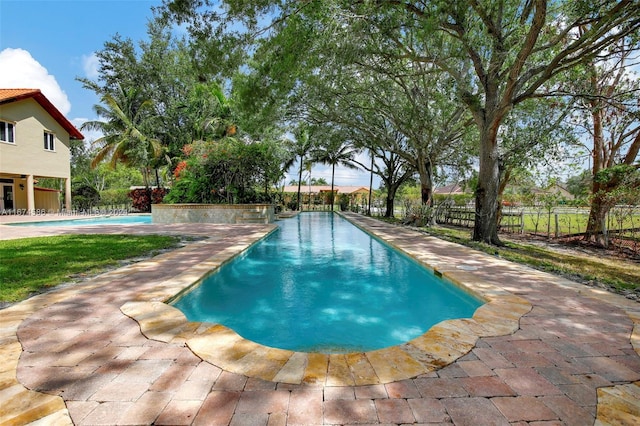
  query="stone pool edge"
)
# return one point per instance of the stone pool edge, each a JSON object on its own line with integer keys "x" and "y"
{"x": 441, "y": 345}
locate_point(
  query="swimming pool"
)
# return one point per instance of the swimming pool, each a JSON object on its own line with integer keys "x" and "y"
{"x": 320, "y": 284}
{"x": 134, "y": 219}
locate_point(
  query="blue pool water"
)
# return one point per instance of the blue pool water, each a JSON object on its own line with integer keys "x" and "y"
{"x": 320, "y": 284}
{"x": 110, "y": 220}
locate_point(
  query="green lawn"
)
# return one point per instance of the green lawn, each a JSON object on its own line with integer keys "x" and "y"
{"x": 31, "y": 265}
{"x": 618, "y": 274}
{"x": 569, "y": 222}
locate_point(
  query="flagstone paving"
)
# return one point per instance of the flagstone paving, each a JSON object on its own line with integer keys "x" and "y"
{"x": 77, "y": 355}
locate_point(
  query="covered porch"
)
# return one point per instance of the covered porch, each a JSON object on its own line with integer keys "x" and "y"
{"x": 20, "y": 195}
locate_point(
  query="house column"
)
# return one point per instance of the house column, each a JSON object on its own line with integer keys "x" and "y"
{"x": 67, "y": 194}
{"x": 31, "y": 203}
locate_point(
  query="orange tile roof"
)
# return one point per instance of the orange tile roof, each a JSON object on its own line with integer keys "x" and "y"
{"x": 13, "y": 95}
{"x": 7, "y": 94}
{"x": 345, "y": 189}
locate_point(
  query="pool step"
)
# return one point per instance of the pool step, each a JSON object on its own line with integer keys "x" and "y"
{"x": 252, "y": 217}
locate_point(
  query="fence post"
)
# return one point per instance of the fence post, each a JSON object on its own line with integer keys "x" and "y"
{"x": 522, "y": 221}
{"x": 556, "y": 219}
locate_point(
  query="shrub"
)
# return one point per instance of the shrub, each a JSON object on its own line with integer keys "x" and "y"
{"x": 454, "y": 199}
{"x": 84, "y": 197}
{"x": 419, "y": 215}
{"x": 158, "y": 194}
{"x": 142, "y": 198}
{"x": 226, "y": 171}
{"x": 343, "y": 199}
{"x": 114, "y": 197}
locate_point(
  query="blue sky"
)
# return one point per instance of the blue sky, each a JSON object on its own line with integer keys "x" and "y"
{"x": 62, "y": 36}
{"x": 46, "y": 44}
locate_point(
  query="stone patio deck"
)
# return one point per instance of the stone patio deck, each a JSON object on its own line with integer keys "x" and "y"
{"x": 73, "y": 356}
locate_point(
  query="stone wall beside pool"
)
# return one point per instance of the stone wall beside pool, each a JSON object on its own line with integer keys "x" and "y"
{"x": 212, "y": 213}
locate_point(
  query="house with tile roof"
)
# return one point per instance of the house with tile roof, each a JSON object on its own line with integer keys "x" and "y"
{"x": 451, "y": 189}
{"x": 319, "y": 194}
{"x": 34, "y": 144}
{"x": 322, "y": 189}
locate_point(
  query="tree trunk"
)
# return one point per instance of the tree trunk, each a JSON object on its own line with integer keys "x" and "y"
{"x": 145, "y": 176}
{"x": 426, "y": 181}
{"x": 333, "y": 171}
{"x": 371, "y": 187}
{"x": 486, "y": 217}
{"x": 390, "y": 206}
{"x": 392, "y": 189}
{"x": 299, "y": 201}
{"x": 596, "y": 224}
{"x": 596, "y": 227}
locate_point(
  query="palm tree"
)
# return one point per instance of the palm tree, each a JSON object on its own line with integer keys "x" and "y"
{"x": 300, "y": 147}
{"x": 126, "y": 136}
{"x": 335, "y": 152}
{"x": 209, "y": 112}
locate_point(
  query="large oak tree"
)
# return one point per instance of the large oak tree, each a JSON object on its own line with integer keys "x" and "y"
{"x": 502, "y": 53}
{"x": 499, "y": 53}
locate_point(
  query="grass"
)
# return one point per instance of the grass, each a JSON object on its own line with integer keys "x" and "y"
{"x": 617, "y": 274}
{"x": 31, "y": 265}
{"x": 558, "y": 222}
{"x": 569, "y": 223}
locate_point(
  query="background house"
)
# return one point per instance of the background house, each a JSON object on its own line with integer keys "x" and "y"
{"x": 451, "y": 189}
{"x": 34, "y": 144}
{"x": 457, "y": 189}
{"x": 313, "y": 194}
{"x": 554, "y": 189}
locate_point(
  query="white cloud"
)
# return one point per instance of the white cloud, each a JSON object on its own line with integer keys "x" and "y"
{"x": 18, "y": 70}
{"x": 90, "y": 64}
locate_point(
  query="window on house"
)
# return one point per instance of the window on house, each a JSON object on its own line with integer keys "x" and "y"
{"x": 48, "y": 141}
{"x": 7, "y": 132}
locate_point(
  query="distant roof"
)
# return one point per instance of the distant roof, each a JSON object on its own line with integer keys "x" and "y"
{"x": 322, "y": 188}
{"x": 553, "y": 189}
{"x": 13, "y": 95}
{"x": 454, "y": 188}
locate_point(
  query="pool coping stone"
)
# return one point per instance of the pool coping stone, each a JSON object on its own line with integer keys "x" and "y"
{"x": 438, "y": 347}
